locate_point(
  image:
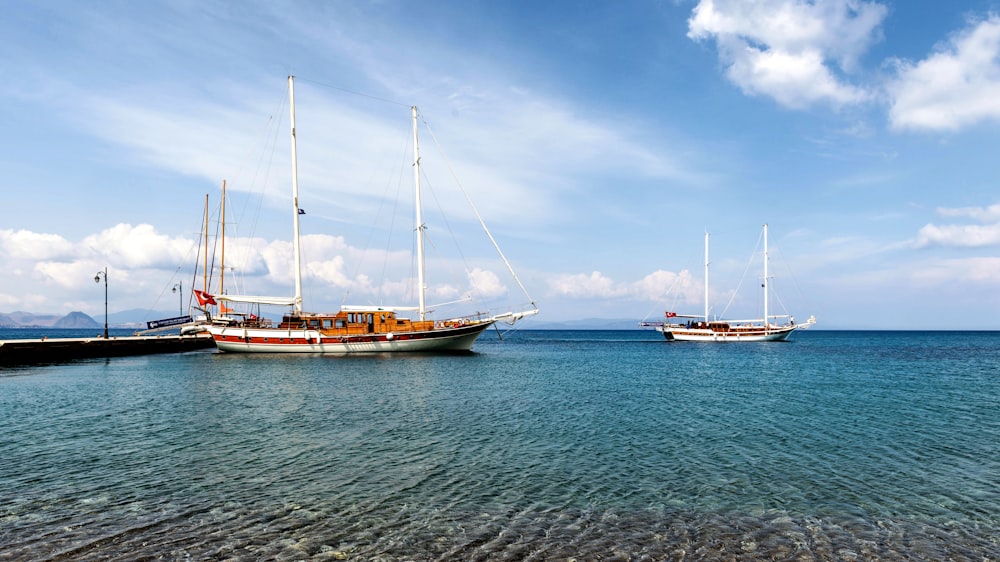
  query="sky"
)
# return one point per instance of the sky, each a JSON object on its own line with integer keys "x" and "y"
{"x": 599, "y": 141}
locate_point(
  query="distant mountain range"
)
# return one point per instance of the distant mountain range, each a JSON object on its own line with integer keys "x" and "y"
{"x": 135, "y": 318}
{"x": 19, "y": 319}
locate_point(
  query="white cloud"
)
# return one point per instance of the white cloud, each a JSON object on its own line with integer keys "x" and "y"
{"x": 982, "y": 214}
{"x": 787, "y": 49}
{"x": 963, "y": 235}
{"x": 581, "y": 285}
{"x": 24, "y": 244}
{"x": 653, "y": 287}
{"x": 140, "y": 246}
{"x": 486, "y": 284}
{"x": 957, "y": 86}
{"x": 970, "y": 236}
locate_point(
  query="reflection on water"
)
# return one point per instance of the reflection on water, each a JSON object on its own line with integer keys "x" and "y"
{"x": 545, "y": 446}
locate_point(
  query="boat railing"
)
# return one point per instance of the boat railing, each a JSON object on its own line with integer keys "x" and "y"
{"x": 459, "y": 321}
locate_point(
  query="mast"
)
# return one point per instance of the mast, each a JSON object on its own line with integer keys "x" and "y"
{"x": 222, "y": 268}
{"x": 295, "y": 201}
{"x": 204, "y": 268}
{"x": 766, "y": 321}
{"x": 420, "y": 217}
{"x": 706, "y": 277}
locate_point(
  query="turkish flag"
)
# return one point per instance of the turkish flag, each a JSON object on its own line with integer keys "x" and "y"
{"x": 204, "y": 298}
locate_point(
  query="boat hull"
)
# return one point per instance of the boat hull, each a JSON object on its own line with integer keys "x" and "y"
{"x": 705, "y": 335}
{"x": 237, "y": 339}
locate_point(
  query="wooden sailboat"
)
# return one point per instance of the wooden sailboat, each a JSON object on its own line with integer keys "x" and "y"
{"x": 703, "y": 329}
{"x": 353, "y": 329}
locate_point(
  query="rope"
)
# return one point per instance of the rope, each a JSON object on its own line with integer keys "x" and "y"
{"x": 479, "y": 217}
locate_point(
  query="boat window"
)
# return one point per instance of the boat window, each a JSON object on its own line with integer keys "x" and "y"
{"x": 341, "y": 323}
{"x": 327, "y": 323}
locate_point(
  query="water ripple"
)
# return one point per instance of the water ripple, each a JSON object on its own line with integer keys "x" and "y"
{"x": 560, "y": 446}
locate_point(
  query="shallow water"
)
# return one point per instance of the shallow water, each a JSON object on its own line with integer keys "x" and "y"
{"x": 547, "y": 445}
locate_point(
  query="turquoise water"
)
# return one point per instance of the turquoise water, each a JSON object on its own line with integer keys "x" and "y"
{"x": 547, "y": 445}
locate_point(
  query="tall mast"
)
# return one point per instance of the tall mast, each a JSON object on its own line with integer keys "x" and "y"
{"x": 420, "y": 215}
{"x": 204, "y": 268}
{"x": 766, "y": 322}
{"x": 222, "y": 268}
{"x": 295, "y": 201}
{"x": 706, "y": 276}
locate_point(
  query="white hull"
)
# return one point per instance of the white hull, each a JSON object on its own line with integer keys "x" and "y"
{"x": 751, "y": 330}
{"x": 706, "y": 335}
{"x": 239, "y": 339}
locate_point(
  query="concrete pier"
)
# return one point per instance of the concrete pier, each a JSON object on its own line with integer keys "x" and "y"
{"x": 58, "y": 350}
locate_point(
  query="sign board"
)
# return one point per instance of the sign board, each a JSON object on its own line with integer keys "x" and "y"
{"x": 168, "y": 322}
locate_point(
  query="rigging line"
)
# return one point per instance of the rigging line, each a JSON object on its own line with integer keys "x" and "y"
{"x": 177, "y": 270}
{"x": 215, "y": 249}
{"x": 352, "y": 92}
{"x": 791, "y": 275}
{"x": 744, "y": 276}
{"x": 380, "y": 296}
{"x": 265, "y": 163}
{"x": 667, "y": 292}
{"x": 444, "y": 219}
{"x": 430, "y": 241}
{"x": 478, "y": 216}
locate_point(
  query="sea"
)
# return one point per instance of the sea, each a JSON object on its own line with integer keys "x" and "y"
{"x": 538, "y": 445}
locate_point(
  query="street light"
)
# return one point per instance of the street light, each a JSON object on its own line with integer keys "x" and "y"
{"x": 179, "y": 289}
{"x": 97, "y": 279}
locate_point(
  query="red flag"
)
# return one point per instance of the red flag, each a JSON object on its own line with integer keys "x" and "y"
{"x": 671, "y": 314}
{"x": 204, "y": 298}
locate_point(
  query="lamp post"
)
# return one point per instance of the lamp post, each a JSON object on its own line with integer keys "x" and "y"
{"x": 179, "y": 289}
{"x": 97, "y": 279}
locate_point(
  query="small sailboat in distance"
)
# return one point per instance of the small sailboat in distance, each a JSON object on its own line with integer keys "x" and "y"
{"x": 353, "y": 329}
{"x": 701, "y": 328}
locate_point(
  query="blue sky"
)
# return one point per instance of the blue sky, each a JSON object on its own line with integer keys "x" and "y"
{"x": 599, "y": 141}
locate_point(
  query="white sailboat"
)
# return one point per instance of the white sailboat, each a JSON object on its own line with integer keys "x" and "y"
{"x": 703, "y": 329}
{"x": 353, "y": 329}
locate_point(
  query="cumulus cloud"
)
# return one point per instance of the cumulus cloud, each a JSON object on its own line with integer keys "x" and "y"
{"x": 136, "y": 246}
{"x": 982, "y": 214}
{"x": 956, "y": 86}
{"x": 143, "y": 263}
{"x": 486, "y": 283}
{"x": 969, "y": 236}
{"x": 963, "y": 235}
{"x": 24, "y": 244}
{"x": 652, "y": 287}
{"x": 793, "y": 51}
{"x": 581, "y": 285}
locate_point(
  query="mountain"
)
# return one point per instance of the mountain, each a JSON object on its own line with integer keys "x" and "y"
{"x": 76, "y": 320}
{"x": 20, "y": 319}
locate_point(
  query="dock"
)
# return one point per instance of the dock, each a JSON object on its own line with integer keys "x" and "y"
{"x": 59, "y": 350}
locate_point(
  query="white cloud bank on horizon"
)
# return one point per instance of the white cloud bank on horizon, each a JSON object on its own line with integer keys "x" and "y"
{"x": 143, "y": 263}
